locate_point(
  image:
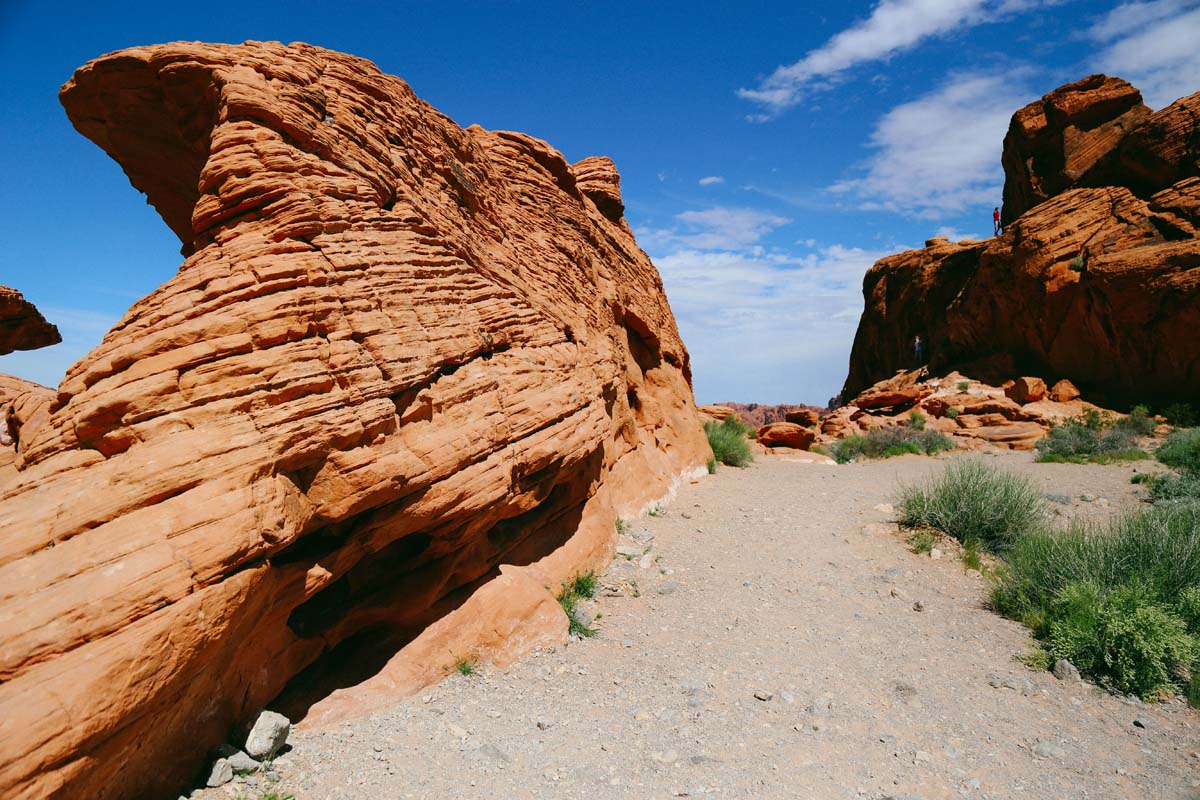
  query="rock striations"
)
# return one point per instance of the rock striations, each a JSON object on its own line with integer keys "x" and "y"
{"x": 1096, "y": 280}
{"x": 22, "y": 326}
{"x": 401, "y": 386}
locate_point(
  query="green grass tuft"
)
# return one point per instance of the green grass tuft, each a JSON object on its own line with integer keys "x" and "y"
{"x": 1089, "y": 440}
{"x": 1181, "y": 450}
{"x": 916, "y": 420}
{"x": 922, "y": 541}
{"x": 964, "y": 386}
{"x": 728, "y": 442}
{"x": 887, "y": 442}
{"x": 971, "y": 500}
{"x": 580, "y": 587}
{"x": 466, "y": 667}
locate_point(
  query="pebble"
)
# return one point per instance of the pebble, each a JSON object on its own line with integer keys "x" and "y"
{"x": 666, "y": 758}
{"x": 670, "y": 587}
{"x": 268, "y": 734}
{"x": 936, "y": 553}
{"x": 1048, "y": 750}
{"x": 764, "y": 695}
{"x": 885, "y": 508}
{"x": 221, "y": 774}
{"x": 918, "y": 606}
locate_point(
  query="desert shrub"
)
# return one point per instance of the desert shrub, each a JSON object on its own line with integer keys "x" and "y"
{"x": 1088, "y": 440}
{"x": 1173, "y": 486}
{"x": 952, "y": 413}
{"x": 1120, "y": 600}
{"x": 964, "y": 386}
{"x": 728, "y": 441}
{"x": 916, "y": 420}
{"x": 1139, "y": 422}
{"x": 971, "y": 500}
{"x": 892, "y": 441}
{"x": 579, "y": 588}
{"x": 712, "y": 466}
{"x": 1181, "y": 450}
{"x": 1077, "y": 264}
{"x": 848, "y": 449}
{"x": 1181, "y": 415}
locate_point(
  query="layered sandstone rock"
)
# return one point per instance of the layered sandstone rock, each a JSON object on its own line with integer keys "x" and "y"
{"x": 756, "y": 414}
{"x": 714, "y": 413}
{"x": 22, "y": 326}
{"x": 785, "y": 434}
{"x": 1100, "y": 285}
{"x": 1053, "y": 142}
{"x": 403, "y": 383}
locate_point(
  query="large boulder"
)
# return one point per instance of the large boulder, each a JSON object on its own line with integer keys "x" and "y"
{"x": 404, "y": 381}
{"x": 22, "y": 326}
{"x": 1026, "y": 390}
{"x": 785, "y": 434}
{"x": 806, "y": 417}
{"x": 1053, "y": 142}
{"x": 1064, "y": 392}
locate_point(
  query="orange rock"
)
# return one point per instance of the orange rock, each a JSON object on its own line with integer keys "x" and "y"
{"x": 806, "y": 417}
{"x": 405, "y": 368}
{"x": 785, "y": 434}
{"x": 1026, "y": 390}
{"x": 841, "y": 423}
{"x": 22, "y": 326}
{"x": 714, "y": 413}
{"x": 1095, "y": 280}
{"x": 1064, "y": 392}
{"x": 1010, "y": 435}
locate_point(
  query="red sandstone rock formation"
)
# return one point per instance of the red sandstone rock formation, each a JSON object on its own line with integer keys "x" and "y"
{"x": 22, "y": 326}
{"x": 715, "y": 413}
{"x": 756, "y": 415}
{"x": 404, "y": 381}
{"x": 785, "y": 434}
{"x": 1026, "y": 390}
{"x": 1099, "y": 285}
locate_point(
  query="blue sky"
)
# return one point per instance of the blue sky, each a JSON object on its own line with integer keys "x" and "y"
{"x": 769, "y": 152}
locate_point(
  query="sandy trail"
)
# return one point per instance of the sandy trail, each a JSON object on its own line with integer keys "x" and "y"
{"x": 762, "y": 582}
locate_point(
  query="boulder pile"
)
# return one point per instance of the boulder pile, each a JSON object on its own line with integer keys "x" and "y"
{"x": 404, "y": 381}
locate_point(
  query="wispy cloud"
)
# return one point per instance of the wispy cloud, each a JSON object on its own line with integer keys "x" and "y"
{"x": 939, "y": 155}
{"x": 893, "y": 26}
{"x": 711, "y": 180}
{"x": 717, "y": 228}
{"x": 1153, "y": 46}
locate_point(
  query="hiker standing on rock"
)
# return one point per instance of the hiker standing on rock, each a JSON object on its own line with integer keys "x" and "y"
{"x": 996, "y": 230}
{"x": 919, "y": 349}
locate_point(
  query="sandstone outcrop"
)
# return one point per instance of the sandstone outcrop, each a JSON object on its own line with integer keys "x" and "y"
{"x": 785, "y": 434}
{"x": 756, "y": 414}
{"x": 714, "y": 413}
{"x": 1026, "y": 390}
{"x": 22, "y": 326}
{"x": 403, "y": 383}
{"x": 1098, "y": 285}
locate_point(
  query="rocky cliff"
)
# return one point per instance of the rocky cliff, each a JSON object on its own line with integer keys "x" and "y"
{"x": 22, "y": 326}
{"x": 1096, "y": 279}
{"x": 401, "y": 386}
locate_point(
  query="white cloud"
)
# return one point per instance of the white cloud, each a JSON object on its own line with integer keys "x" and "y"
{"x": 718, "y": 228}
{"x": 767, "y": 327}
{"x": 81, "y": 331}
{"x": 939, "y": 155}
{"x": 894, "y": 26}
{"x": 711, "y": 180}
{"x": 1153, "y": 45}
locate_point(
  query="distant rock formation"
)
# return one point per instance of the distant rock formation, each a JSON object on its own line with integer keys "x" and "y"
{"x": 405, "y": 380}
{"x": 22, "y": 326}
{"x": 1097, "y": 282}
{"x": 756, "y": 415}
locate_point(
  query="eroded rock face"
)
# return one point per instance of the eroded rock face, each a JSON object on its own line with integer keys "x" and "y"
{"x": 785, "y": 434}
{"x": 22, "y": 326}
{"x": 1100, "y": 286}
{"x": 404, "y": 381}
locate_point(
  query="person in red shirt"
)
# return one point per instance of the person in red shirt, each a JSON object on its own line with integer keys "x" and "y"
{"x": 996, "y": 221}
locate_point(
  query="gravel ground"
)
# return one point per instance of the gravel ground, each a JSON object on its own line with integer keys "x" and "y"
{"x": 768, "y": 646}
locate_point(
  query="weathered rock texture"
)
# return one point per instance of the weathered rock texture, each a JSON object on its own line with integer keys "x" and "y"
{"x": 1098, "y": 284}
{"x": 22, "y": 326}
{"x": 756, "y": 415}
{"x": 399, "y": 355}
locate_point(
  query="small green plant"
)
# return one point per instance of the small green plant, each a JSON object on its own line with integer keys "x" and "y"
{"x": 465, "y": 667}
{"x": 892, "y": 441}
{"x": 1181, "y": 450}
{"x": 1077, "y": 263}
{"x": 656, "y": 510}
{"x": 580, "y": 587}
{"x": 712, "y": 466}
{"x": 728, "y": 442}
{"x": 972, "y": 556}
{"x": 951, "y": 413}
{"x": 1181, "y": 415}
{"x": 1037, "y": 659}
{"x": 922, "y": 541}
{"x": 1089, "y": 440}
{"x": 964, "y": 386}
{"x": 971, "y": 500}
{"x": 1138, "y": 421}
{"x": 1182, "y": 486}
{"x": 916, "y": 420}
